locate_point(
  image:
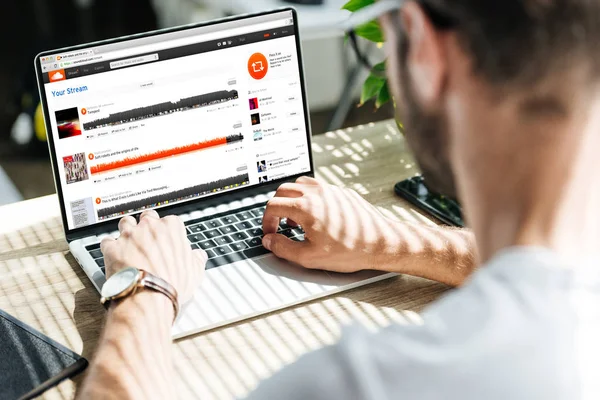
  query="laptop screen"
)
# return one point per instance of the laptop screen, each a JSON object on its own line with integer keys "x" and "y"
{"x": 173, "y": 117}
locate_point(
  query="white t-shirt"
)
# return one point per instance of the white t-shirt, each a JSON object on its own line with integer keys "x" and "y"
{"x": 523, "y": 327}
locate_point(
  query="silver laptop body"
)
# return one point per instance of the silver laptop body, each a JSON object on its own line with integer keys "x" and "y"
{"x": 204, "y": 122}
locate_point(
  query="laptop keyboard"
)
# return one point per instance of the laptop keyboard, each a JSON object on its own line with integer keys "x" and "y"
{"x": 226, "y": 238}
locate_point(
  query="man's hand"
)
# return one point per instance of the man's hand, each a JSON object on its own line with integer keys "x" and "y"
{"x": 343, "y": 231}
{"x": 159, "y": 246}
{"x": 135, "y": 358}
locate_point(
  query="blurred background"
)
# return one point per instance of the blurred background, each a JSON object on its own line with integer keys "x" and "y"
{"x": 334, "y": 79}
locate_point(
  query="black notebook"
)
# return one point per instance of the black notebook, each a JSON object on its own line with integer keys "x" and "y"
{"x": 30, "y": 362}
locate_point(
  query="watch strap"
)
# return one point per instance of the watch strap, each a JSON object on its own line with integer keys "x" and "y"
{"x": 153, "y": 282}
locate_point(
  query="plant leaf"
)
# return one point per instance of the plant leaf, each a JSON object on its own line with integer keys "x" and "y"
{"x": 371, "y": 88}
{"x": 384, "y": 95}
{"x": 354, "y": 5}
{"x": 370, "y": 31}
{"x": 379, "y": 67}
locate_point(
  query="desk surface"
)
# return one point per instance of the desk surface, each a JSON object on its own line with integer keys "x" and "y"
{"x": 42, "y": 284}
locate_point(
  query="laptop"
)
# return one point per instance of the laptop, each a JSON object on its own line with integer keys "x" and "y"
{"x": 202, "y": 121}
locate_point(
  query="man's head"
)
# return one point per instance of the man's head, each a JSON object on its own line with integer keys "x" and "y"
{"x": 452, "y": 62}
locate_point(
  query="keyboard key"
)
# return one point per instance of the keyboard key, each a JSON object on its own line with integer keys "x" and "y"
{"x": 213, "y": 224}
{"x": 236, "y": 256}
{"x": 287, "y": 232}
{"x": 222, "y": 240}
{"x": 210, "y": 254}
{"x": 195, "y": 246}
{"x": 298, "y": 238}
{"x": 258, "y": 212}
{"x": 226, "y": 230}
{"x": 100, "y": 262}
{"x": 239, "y": 246}
{"x": 257, "y": 221}
{"x": 283, "y": 224}
{"x": 255, "y": 232}
{"x": 221, "y": 251}
{"x": 196, "y": 238}
{"x": 96, "y": 253}
{"x": 244, "y": 225}
{"x": 212, "y": 234}
{"x": 255, "y": 252}
{"x": 92, "y": 247}
{"x": 254, "y": 242}
{"x": 244, "y": 215}
{"x": 103, "y": 270}
{"x": 298, "y": 231}
{"x": 239, "y": 236}
{"x": 196, "y": 228}
{"x": 230, "y": 219}
{"x": 209, "y": 244}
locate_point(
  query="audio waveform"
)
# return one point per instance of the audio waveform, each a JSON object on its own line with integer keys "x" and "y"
{"x": 173, "y": 197}
{"x": 161, "y": 109}
{"x": 157, "y": 155}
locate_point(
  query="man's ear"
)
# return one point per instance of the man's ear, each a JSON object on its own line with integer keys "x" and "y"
{"x": 426, "y": 60}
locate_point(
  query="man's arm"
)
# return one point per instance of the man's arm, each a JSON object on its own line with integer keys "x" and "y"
{"x": 134, "y": 356}
{"x": 441, "y": 254}
{"x": 344, "y": 233}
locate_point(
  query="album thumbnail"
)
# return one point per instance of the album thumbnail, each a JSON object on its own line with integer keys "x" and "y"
{"x": 67, "y": 122}
{"x": 75, "y": 168}
{"x": 255, "y": 119}
{"x": 253, "y": 104}
{"x": 261, "y": 166}
{"x": 262, "y": 179}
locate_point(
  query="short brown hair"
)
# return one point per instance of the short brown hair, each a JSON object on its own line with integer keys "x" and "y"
{"x": 523, "y": 41}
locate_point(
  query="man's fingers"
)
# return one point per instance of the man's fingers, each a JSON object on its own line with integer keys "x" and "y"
{"x": 307, "y": 180}
{"x": 201, "y": 255}
{"x": 286, "y": 248}
{"x": 126, "y": 224}
{"x": 149, "y": 214}
{"x": 290, "y": 190}
{"x": 106, "y": 245}
{"x": 282, "y": 207}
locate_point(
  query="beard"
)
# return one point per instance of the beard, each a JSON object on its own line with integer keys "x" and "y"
{"x": 426, "y": 134}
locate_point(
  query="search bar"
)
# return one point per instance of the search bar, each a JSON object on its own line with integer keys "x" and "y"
{"x": 133, "y": 61}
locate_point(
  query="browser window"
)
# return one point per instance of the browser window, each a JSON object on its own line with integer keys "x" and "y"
{"x": 158, "y": 121}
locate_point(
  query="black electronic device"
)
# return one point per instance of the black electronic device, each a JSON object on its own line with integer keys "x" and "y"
{"x": 440, "y": 207}
{"x": 30, "y": 362}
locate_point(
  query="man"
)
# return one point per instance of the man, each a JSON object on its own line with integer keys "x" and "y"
{"x": 500, "y": 102}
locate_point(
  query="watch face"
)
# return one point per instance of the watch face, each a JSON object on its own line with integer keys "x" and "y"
{"x": 120, "y": 282}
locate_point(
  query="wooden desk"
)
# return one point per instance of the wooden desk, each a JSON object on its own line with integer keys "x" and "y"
{"x": 42, "y": 284}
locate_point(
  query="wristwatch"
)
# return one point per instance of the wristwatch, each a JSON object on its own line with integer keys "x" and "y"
{"x": 129, "y": 280}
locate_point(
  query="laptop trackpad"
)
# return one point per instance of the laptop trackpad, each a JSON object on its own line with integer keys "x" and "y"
{"x": 288, "y": 271}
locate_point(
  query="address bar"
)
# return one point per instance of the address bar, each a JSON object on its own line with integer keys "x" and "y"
{"x": 194, "y": 39}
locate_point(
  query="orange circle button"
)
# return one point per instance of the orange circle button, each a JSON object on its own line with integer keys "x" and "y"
{"x": 258, "y": 66}
{"x": 98, "y": 200}
{"x": 83, "y": 111}
{"x": 91, "y": 156}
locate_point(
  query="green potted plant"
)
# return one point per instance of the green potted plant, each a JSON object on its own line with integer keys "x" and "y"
{"x": 376, "y": 85}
